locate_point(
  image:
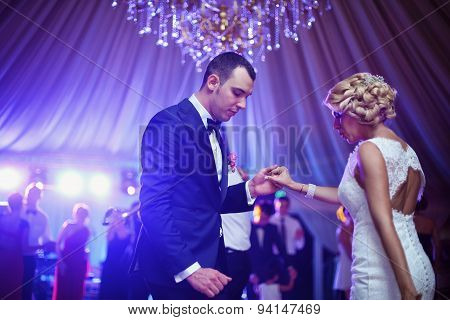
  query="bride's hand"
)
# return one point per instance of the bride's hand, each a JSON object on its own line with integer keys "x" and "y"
{"x": 411, "y": 295}
{"x": 281, "y": 177}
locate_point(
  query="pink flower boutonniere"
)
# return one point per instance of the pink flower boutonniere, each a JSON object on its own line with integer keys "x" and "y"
{"x": 232, "y": 157}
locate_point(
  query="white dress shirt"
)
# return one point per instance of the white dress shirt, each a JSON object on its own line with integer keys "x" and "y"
{"x": 236, "y": 226}
{"x": 39, "y": 230}
{"x": 269, "y": 291}
{"x": 217, "y": 152}
{"x": 291, "y": 226}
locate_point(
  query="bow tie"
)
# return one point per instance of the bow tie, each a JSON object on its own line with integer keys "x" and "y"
{"x": 213, "y": 126}
{"x": 30, "y": 211}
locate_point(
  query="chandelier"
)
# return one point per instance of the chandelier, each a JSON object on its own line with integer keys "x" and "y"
{"x": 204, "y": 29}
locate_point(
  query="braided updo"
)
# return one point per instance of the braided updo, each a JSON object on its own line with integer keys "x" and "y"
{"x": 364, "y": 97}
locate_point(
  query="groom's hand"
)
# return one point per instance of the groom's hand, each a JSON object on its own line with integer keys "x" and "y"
{"x": 260, "y": 186}
{"x": 208, "y": 281}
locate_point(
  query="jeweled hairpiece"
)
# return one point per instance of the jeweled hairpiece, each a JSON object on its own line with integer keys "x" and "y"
{"x": 370, "y": 79}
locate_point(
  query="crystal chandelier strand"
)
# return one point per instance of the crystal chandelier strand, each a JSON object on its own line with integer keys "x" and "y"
{"x": 203, "y": 29}
{"x": 277, "y": 26}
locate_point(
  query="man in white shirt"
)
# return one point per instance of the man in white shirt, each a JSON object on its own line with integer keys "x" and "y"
{"x": 236, "y": 234}
{"x": 39, "y": 236}
{"x": 267, "y": 252}
{"x": 291, "y": 233}
{"x": 184, "y": 182}
{"x": 289, "y": 228}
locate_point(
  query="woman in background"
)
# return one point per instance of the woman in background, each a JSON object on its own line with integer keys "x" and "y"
{"x": 72, "y": 264}
{"x": 115, "y": 280}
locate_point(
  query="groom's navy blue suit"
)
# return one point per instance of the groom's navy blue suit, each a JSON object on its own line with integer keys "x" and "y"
{"x": 181, "y": 197}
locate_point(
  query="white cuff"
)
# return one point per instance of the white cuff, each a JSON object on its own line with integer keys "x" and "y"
{"x": 186, "y": 273}
{"x": 250, "y": 200}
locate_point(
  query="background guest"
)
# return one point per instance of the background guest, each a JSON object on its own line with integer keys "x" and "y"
{"x": 271, "y": 289}
{"x": 344, "y": 234}
{"x": 115, "y": 280}
{"x": 13, "y": 241}
{"x": 267, "y": 252}
{"x": 72, "y": 262}
{"x": 39, "y": 236}
{"x": 428, "y": 232}
{"x": 292, "y": 236}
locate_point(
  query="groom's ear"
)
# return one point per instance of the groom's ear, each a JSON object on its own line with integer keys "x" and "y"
{"x": 213, "y": 82}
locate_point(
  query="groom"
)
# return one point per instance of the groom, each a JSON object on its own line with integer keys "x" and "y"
{"x": 180, "y": 250}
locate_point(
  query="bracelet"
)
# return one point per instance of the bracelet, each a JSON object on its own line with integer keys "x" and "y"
{"x": 311, "y": 191}
{"x": 301, "y": 190}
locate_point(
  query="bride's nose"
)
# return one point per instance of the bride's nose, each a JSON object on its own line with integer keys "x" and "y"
{"x": 337, "y": 124}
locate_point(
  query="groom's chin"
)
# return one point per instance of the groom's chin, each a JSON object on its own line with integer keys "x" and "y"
{"x": 228, "y": 115}
{"x": 226, "y": 118}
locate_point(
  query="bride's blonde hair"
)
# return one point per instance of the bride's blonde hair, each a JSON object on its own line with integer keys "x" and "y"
{"x": 363, "y": 96}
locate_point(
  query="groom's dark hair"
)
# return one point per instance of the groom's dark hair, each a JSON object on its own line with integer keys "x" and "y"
{"x": 224, "y": 64}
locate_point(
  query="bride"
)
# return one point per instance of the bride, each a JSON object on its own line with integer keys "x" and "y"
{"x": 381, "y": 184}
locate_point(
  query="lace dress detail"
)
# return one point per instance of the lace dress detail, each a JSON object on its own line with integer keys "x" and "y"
{"x": 372, "y": 274}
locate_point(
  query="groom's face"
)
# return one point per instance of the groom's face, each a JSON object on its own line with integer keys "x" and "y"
{"x": 231, "y": 97}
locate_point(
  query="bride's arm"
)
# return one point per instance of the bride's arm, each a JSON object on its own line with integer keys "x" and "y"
{"x": 282, "y": 177}
{"x": 327, "y": 194}
{"x": 375, "y": 181}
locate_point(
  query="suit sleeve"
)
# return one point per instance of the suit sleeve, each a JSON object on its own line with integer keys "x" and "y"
{"x": 159, "y": 154}
{"x": 236, "y": 200}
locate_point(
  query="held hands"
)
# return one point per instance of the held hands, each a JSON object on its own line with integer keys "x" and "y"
{"x": 208, "y": 281}
{"x": 260, "y": 186}
{"x": 280, "y": 176}
{"x": 271, "y": 179}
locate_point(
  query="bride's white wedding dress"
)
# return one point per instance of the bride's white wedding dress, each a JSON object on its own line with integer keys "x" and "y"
{"x": 372, "y": 274}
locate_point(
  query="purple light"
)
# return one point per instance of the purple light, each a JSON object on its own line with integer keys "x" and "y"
{"x": 100, "y": 184}
{"x": 131, "y": 190}
{"x": 70, "y": 183}
{"x": 10, "y": 179}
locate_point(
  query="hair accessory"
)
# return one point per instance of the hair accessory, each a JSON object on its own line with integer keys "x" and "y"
{"x": 370, "y": 79}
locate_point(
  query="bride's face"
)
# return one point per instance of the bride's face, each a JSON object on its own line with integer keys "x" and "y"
{"x": 348, "y": 128}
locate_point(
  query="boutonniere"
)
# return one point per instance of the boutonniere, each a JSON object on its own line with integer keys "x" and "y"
{"x": 232, "y": 157}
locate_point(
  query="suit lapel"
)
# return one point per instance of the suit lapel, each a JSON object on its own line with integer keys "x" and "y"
{"x": 224, "y": 181}
{"x": 192, "y": 118}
